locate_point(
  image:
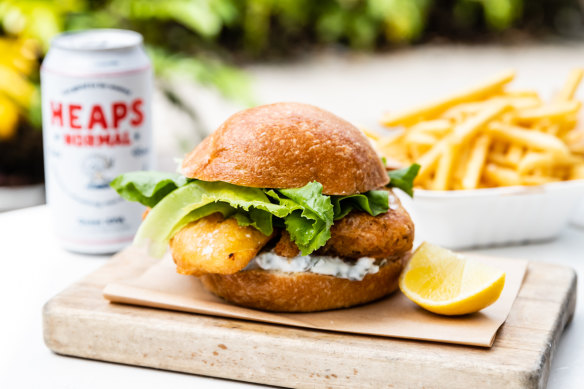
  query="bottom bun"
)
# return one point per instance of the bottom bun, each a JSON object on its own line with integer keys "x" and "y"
{"x": 303, "y": 292}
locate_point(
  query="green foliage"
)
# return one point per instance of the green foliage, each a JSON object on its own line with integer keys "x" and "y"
{"x": 231, "y": 82}
{"x": 500, "y": 14}
{"x": 255, "y": 28}
{"x": 37, "y": 19}
{"x": 204, "y": 17}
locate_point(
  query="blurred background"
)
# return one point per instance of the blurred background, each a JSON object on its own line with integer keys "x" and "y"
{"x": 213, "y": 57}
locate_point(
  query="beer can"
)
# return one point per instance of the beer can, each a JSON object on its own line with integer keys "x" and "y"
{"x": 96, "y": 90}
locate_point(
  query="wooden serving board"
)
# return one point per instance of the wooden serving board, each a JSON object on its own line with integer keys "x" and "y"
{"x": 80, "y": 322}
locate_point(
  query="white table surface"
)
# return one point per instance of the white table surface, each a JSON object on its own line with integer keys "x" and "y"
{"x": 36, "y": 268}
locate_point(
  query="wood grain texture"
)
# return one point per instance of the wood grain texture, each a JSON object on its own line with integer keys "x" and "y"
{"x": 80, "y": 322}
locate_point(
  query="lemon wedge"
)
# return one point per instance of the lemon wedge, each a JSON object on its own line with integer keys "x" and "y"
{"x": 447, "y": 283}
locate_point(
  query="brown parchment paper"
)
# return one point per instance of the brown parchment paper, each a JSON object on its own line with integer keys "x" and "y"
{"x": 395, "y": 316}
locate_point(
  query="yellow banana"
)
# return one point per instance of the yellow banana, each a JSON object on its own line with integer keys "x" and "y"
{"x": 15, "y": 86}
{"x": 8, "y": 118}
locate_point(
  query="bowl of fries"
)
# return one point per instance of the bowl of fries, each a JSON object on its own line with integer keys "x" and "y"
{"x": 498, "y": 166}
{"x": 578, "y": 216}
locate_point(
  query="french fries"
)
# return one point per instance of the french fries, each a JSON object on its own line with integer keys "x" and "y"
{"x": 528, "y": 138}
{"x": 478, "y": 156}
{"x": 571, "y": 85}
{"x": 431, "y": 109}
{"x": 490, "y": 136}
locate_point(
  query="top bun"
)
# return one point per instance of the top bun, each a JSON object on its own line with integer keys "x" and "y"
{"x": 287, "y": 145}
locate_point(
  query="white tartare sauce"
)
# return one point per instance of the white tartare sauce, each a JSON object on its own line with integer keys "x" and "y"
{"x": 332, "y": 266}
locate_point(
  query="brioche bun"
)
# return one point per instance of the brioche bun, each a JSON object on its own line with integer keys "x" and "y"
{"x": 287, "y": 145}
{"x": 303, "y": 292}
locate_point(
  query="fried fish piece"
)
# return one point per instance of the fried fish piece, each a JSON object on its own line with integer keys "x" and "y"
{"x": 215, "y": 245}
{"x": 361, "y": 235}
{"x": 285, "y": 247}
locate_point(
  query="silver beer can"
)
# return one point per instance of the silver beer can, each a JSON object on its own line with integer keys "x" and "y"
{"x": 96, "y": 101}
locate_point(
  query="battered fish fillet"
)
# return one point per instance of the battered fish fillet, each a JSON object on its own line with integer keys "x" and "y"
{"x": 285, "y": 247}
{"x": 361, "y": 235}
{"x": 215, "y": 245}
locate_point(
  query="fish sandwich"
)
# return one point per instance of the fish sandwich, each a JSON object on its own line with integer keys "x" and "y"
{"x": 285, "y": 207}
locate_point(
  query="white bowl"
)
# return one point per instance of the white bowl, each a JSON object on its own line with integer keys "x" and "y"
{"x": 497, "y": 216}
{"x": 578, "y": 216}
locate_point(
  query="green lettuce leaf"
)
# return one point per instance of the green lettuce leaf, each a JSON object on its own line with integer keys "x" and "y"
{"x": 404, "y": 178}
{"x": 258, "y": 218}
{"x": 191, "y": 201}
{"x": 374, "y": 202}
{"x": 311, "y": 218}
{"x": 311, "y": 199}
{"x": 223, "y": 208}
{"x": 147, "y": 188}
{"x": 305, "y": 212}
